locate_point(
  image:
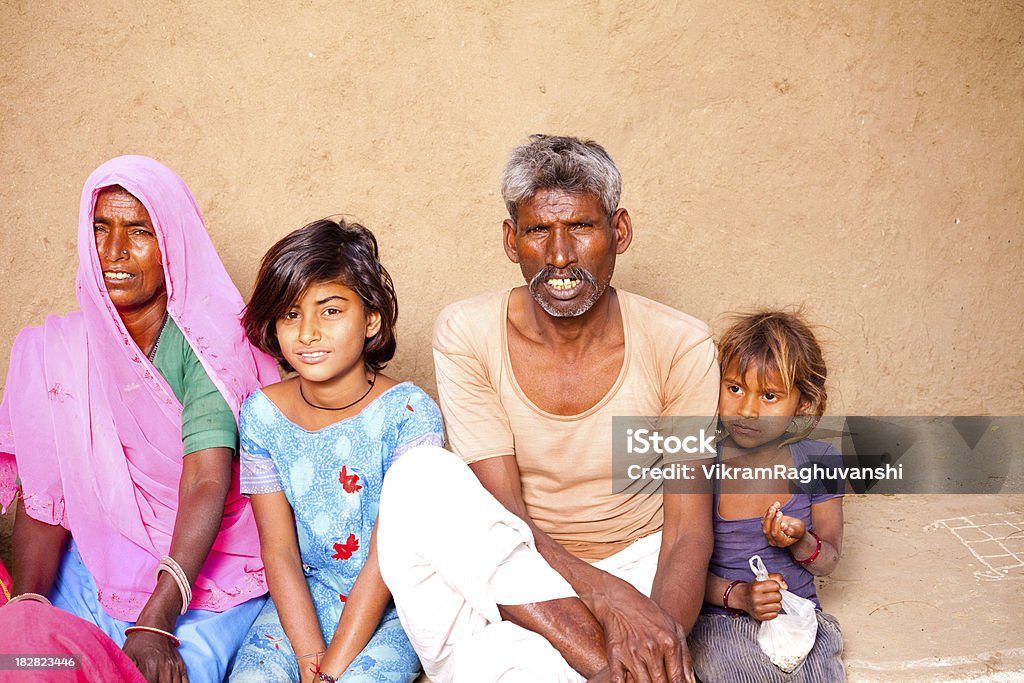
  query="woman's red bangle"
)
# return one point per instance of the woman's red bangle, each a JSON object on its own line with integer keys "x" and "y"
{"x": 725, "y": 597}
{"x": 814, "y": 555}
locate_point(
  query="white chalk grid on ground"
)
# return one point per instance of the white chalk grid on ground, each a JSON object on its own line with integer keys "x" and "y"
{"x": 996, "y": 539}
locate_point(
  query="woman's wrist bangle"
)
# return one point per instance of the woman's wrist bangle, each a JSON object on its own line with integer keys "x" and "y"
{"x": 312, "y": 654}
{"x": 814, "y": 555}
{"x": 150, "y": 629}
{"x": 725, "y": 597}
{"x": 170, "y": 565}
{"x": 32, "y": 597}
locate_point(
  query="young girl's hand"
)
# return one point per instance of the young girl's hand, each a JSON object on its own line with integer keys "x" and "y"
{"x": 762, "y": 600}
{"x": 781, "y": 530}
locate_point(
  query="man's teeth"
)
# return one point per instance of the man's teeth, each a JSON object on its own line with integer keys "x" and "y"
{"x": 117, "y": 276}
{"x": 562, "y": 283}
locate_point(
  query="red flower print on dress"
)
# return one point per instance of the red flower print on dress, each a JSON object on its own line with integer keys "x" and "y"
{"x": 348, "y": 481}
{"x": 409, "y": 407}
{"x": 343, "y": 551}
{"x": 342, "y": 597}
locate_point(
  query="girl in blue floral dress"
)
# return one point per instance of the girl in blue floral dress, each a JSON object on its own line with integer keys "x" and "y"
{"x": 314, "y": 451}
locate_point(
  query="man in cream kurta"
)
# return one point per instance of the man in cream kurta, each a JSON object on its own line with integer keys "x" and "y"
{"x": 543, "y": 573}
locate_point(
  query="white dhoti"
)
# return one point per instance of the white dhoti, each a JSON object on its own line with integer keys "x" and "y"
{"x": 450, "y": 553}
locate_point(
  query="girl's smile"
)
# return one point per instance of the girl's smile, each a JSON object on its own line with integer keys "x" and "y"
{"x": 313, "y": 356}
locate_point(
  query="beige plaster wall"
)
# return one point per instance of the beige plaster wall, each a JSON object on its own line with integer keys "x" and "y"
{"x": 862, "y": 159}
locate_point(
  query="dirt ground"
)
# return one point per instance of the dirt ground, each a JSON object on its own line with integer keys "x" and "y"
{"x": 922, "y": 595}
{"x": 921, "y": 592}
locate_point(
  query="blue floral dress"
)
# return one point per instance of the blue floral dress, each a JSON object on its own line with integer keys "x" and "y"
{"x": 332, "y": 478}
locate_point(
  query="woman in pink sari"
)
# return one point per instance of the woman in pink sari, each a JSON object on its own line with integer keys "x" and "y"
{"x": 120, "y": 421}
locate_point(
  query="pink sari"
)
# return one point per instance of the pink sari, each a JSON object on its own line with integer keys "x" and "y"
{"x": 94, "y": 431}
{"x": 32, "y": 628}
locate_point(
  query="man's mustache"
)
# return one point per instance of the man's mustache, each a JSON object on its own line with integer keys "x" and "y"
{"x": 573, "y": 273}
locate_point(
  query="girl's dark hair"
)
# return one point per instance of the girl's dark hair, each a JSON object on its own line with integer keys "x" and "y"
{"x": 778, "y": 342}
{"x": 326, "y": 250}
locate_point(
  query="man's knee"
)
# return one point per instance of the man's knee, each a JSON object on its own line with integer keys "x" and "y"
{"x": 423, "y": 479}
{"x": 415, "y": 489}
{"x": 418, "y": 467}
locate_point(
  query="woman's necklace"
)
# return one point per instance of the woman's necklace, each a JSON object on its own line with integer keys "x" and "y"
{"x": 371, "y": 382}
{"x": 156, "y": 345}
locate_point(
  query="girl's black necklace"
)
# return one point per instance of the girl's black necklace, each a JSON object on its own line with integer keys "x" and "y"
{"x": 371, "y": 382}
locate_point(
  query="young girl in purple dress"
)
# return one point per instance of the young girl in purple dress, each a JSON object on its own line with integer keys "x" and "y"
{"x": 773, "y": 381}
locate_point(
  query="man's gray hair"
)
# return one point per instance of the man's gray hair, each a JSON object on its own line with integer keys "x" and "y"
{"x": 562, "y": 163}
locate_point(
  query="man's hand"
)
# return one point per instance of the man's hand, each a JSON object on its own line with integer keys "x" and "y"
{"x": 641, "y": 639}
{"x": 762, "y": 600}
{"x": 605, "y": 676}
{"x": 639, "y": 636}
{"x": 156, "y": 657}
{"x": 781, "y": 530}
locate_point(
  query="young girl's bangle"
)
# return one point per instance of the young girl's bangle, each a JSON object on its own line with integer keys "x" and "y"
{"x": 725, "y": 598}
{"x": 319, "y": 675}
{"x": 149, "y": 629}
{"x": 814, "y": 555}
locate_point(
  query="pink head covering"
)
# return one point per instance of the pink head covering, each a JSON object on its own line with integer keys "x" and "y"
{"x": 96, "y": 429}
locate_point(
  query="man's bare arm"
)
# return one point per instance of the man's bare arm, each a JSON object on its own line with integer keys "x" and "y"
{"x": 567, "y": 623}
{"x": 638, "y": 636}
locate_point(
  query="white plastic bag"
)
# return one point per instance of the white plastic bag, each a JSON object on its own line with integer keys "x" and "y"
{"x": 787, "y": 638}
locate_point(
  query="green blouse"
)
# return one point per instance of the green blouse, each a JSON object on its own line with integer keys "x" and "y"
{"x": 206, "y": 421}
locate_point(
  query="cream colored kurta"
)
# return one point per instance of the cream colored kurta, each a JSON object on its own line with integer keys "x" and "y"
{"x": 565, "y": 462}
